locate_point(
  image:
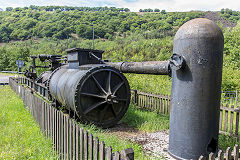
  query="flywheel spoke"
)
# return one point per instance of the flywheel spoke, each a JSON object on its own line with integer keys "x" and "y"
{"x": 99, "y": 86}
{"x": 92, "y": 95}
{"x": 117, "y": 88}
{"x": 92, "y": 107}
{"x": 109, "y": 82}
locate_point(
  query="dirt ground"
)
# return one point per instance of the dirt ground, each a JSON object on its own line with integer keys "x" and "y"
{"x": 154, "y": 144}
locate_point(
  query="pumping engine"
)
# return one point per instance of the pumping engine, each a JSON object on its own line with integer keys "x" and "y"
{"x": 98, "y": 92}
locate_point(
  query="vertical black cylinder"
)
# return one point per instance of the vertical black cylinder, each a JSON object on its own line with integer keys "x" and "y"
{"x": 196, "y": 90}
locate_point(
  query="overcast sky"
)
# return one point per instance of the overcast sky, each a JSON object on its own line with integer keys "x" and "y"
{"x": 133, "y": 5}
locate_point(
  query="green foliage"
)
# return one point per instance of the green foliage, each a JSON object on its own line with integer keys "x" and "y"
{"x": 231, "y": 79}
{"x": 124, "y": 36}
{"x": 118, "y": 143}
{"x": 21, "y": 137}
{"x": 230, "y": 14}
{"x": 60, "y": 22}
{"x": 10, "y": 54}
{"x": 146, "y": 121}
{"x": 232, "y": 47}
{"x": 150, "y": 83}
{"x": 227, "y": 141}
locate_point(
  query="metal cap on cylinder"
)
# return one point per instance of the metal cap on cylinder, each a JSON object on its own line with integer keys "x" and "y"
{"x": 196, "y": 90}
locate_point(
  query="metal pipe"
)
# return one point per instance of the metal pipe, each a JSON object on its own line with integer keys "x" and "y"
{"x": 149, "y": 67}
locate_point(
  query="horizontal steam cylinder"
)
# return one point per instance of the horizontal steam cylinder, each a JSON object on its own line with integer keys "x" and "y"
{"x": 97, "y": 93}
{"x": 196, "y": 90}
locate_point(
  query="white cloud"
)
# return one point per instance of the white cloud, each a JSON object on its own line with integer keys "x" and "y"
{"x": 134, "y": 5}
{"x": 183, "y": 5}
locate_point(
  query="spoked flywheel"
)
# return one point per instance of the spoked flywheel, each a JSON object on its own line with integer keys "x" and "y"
{"x": 103, "y": 97}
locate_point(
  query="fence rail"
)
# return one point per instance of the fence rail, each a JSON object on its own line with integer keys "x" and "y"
{"x": 160, "y": 103}
{"x": 69, "y": 140}
{"x": 231, "y": 97}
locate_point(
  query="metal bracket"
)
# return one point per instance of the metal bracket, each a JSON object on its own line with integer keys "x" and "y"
{"x": 176, "y": 62}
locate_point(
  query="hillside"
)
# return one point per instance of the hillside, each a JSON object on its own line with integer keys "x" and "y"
{"x": 25, "y": 23}
{"x": 123, "y": 35}
{"x": 215, "y": 16}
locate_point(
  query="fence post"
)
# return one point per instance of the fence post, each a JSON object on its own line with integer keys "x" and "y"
{"x": 236, "y": 97}
{"x": 127, "y": 154}
{"x": 135, "y": 97}
{"x": 228, "y": 153}
{"x": 236, "y": 152}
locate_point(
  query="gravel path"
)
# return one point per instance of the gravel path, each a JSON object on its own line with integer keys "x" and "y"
{"x": 4, "y": 79}
{"x": 155, "y": 144}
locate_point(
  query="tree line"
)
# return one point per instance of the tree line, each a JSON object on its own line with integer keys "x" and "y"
{"x": 36, "y": 21}
{"x": 68, "y": 8}
{"x": 151, "y": 10}
{"x": 124, "y": 36}
{"x": 229, "y": 14}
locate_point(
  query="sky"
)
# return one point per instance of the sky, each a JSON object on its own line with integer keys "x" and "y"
{"x": 133, "y": 5}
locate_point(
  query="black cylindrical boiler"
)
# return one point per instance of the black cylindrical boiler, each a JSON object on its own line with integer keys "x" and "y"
{"x": 196, "y": 90}
{"x": 97, "y": 93}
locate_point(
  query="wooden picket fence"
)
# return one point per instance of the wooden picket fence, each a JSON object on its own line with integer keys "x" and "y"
{"x": 160, "y": 103}
{"x": 229, "y": 120}
{"x": 69, "y": 140}
{"x": 228, "y": 155}
{"x": 148, "y": 101}
{"x": 72, "y": 142}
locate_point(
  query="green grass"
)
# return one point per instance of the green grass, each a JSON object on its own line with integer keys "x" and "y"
{"x": 117, "y": 143}
{"x": 150, "y": 83}
{"x": 227, "y": 141}
{"x": 21, "y": 137}
{"x": 142, "y": 120}
{"x": 146, "y": 121}
{"x": 151, "y": 122}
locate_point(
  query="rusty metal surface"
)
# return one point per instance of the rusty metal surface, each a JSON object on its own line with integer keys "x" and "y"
{"x": 196, "y": 90}
{"x": 97, "y": 93}
{"x": 149, "y": 67}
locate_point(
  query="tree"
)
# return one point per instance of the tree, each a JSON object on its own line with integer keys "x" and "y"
{"x": 222, "y": 10}
{"x": 8, "y": 9}
{"x": 5, "y": 33}
{"x": 84, "y": 31}
{"x": 156, "y": 10}
{"x": 126, "y": 10}
{"x": 150, "y": 10}
{"x": 163, "y": 11}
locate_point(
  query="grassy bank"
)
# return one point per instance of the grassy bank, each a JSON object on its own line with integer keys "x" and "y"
{"x": 117, "y": 143}
{"x": 146, "y": 121}
{"x": 21, "y": 137}
{"x": 151, "y": 122}
{"x": 142, "y": 120}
